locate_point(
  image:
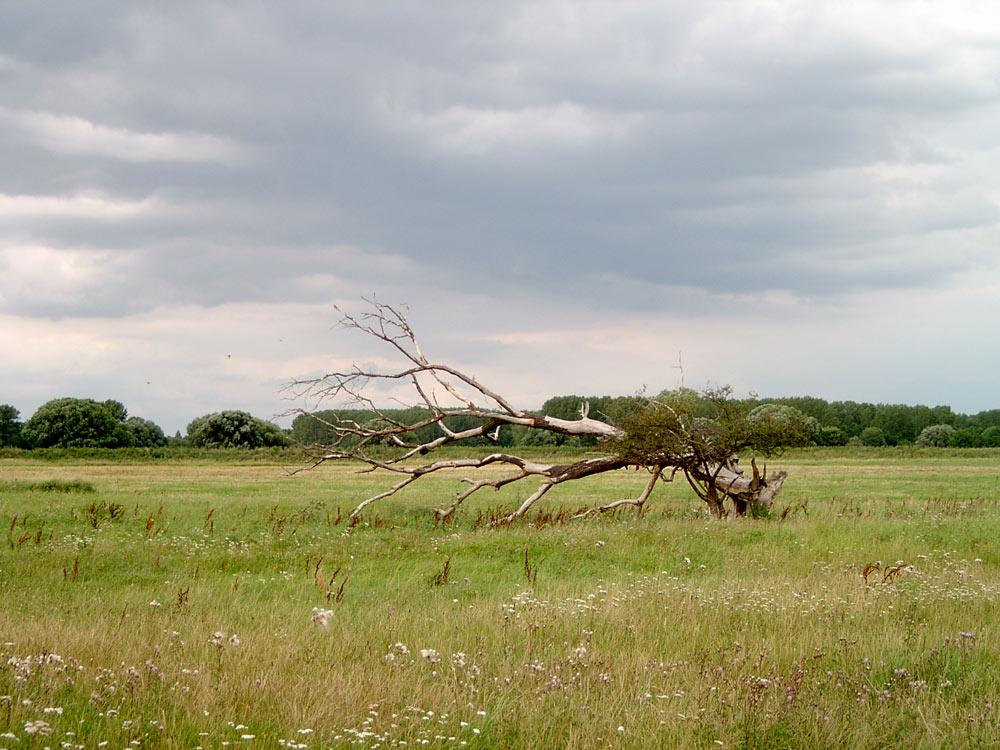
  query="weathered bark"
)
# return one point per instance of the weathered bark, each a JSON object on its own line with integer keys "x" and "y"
{"x": 444, "y": 391}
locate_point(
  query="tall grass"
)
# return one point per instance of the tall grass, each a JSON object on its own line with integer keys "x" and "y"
{"x": 206, "y": 604}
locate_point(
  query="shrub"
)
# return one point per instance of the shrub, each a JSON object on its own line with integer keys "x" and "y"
{"x": 831, "y": 436}
{"x": 872, "y": 436}
{"x": 936, "y": 435}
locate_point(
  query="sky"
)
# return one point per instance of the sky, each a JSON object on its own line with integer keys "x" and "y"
{"x": 784, "y": 196}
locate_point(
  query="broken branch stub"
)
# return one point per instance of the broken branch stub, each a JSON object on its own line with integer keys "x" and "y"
{"x": 673, "y": 440}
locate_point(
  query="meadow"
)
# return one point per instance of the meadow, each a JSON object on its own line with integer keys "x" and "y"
{"x": 224, "y": 604}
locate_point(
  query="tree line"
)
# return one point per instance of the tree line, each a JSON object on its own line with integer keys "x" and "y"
{"x": 86, "y": 423}
{"x": 834, "y": 423}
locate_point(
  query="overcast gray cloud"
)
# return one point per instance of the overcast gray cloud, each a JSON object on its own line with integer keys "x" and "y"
{"x": 567, "y": 194}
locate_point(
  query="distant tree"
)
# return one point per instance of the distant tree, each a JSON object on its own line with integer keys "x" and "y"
{"x": 117, "y": 409}
{"x": 78, "y": 423}
{"x": 986, "y": 419}
{"x": 937, "y": 435}
{"x": 817, "y": 408}
{"x": 963, "y": 439}
{"x": 990, "y": 437}
{"x": 853, "y": 417}
{"x": 145, "y": 434}
{"x": 897, "y": 422}
{"x": 872, "y": 436}
{"x": 943, "y": 415}
{"x": 831, "y": 436}
{"x": 315, "y": 428}
{"x": 539, "y": 438}
{"x": 234, "y": 429}
{"x": 814, "y": 427}
{"x": 781, "y": 425}
{"x": 10, "y": 427}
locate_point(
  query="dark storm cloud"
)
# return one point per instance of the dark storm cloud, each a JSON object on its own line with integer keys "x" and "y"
{"x": 680, "y": 145}
{"x": 569, "y": 163}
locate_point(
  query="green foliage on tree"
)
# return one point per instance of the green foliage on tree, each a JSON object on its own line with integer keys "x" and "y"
{"x": 701, "y": 434}
{"x": 872, "y": 437}
{"x": 234, "y": 429}
{"x": 899, "y": 423}
{"x": 78, "y": 423}
{"x": 936, "y": 435}
{"x": 963, "y": 439}
{"x": 990, "y": 437}
{"x": 831, "y": 436}
{"x": 684, "y": 427}
{"x": 10, "y": 427}
{"x": 145, "y": 433}
{"x": 779, "y": 425}
{"x": 117, "y": 409}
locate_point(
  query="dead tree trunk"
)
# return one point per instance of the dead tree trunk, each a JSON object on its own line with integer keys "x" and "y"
{"x": 443, "y": 391}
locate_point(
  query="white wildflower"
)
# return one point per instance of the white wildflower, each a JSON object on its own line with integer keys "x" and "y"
{"x": 430, "y": 655}
{"x": 37, "y": 727}
{"x": 322, "y": 616}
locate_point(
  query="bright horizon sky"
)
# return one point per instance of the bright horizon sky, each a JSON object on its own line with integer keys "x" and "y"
{"x": 792, "y": 198}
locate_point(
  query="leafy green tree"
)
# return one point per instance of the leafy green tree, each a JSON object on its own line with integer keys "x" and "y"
{"x": 852, "y": 417}
{"x": 145, "y": 434}
{"x": 937, "y": 435}
{"x": 10, "y": 427}
{"x": 539, "y": 438}
{"x": 779, "y": 425}
{"x": 990, "y": 437}
{"x": 234, "y": 429}
{"x": 78, "y": 423}
{"x": 700, "y": 433}
{"x": 831, "y": 436}
{"x": 316, "y": 428}
{"x": 897, "y": 422}
{"x": 872, "y": 436}
{"x": 986, "y": 419}
{"x": 117, "y": 409}
{"x": 963, "y": 439}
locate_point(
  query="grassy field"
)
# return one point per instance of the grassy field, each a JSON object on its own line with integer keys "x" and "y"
{"x": 193, "y": 603}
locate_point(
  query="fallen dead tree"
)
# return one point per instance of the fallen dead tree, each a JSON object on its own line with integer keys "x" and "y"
{"x": 698, "y": 435}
